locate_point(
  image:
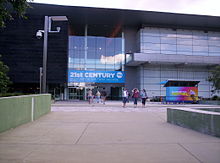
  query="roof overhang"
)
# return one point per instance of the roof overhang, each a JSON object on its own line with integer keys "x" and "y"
{"x": 137, "y": 59}
{"x": 180, "y": 82}
{"x": 89, "y": 15}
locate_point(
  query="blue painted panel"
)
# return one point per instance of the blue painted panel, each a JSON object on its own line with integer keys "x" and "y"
{"x": 96, "y": 76}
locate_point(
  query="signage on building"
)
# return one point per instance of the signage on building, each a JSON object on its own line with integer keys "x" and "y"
{"x": 181, "y": 93}
{"x": 78, "y": 76}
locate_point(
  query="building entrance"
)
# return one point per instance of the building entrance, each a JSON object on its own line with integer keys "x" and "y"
{"x": 76, "y": 93}
{"x": 114, "y": 91}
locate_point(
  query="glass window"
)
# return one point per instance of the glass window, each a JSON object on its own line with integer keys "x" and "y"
{"x": 200, "y": 53}
{"x": 183, "y": 48}
{"x": 91, "y": 43}
{"x": 142, "y": 47}
{"x": 100, "y": 47}
{"x": 78, "y": 43}
{"x": 184, "y": 33}
{"x": 183, "y": 41}
{"x": 150, "y": 51}
{"x": 214, "y": 49}
{"x": 213, "y": 34}
{"x": 151, "y": 46}
{"x": 214, "y": 42}
{"x": 200, "y": 42}
{"x": 102, "y": 53}
{"x": 91, "y": 54}
{"x": 118, "y": 44}
{"x": 214, "y": 54}
{"x": 168, "y": 52}
{"x": 167, "y": 33}
{"x": 180, "y": 41}
{"x": 200, "y": 35}
{"x": 168, "y": 40}
{"x": 70, "y": 46}
{"x": 168, "y": 47}
{"x": 151, "y": 31}
{"x": 151, "y": 39}
{"x": 184, "y": 52}
{"x": 110, "y": 46}
{"x": 71, "y": 53}
{"x": 201, "y": 48}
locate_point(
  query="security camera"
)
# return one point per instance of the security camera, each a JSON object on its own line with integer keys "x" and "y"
{"x": 58, "y": 29}
{"x": 39, "y": 34}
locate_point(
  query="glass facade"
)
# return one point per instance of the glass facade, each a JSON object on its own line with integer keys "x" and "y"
{"x": 96, "y": 49}
{"x": 95, "y": 53}
{"x": 181, "y": 42}
{"x": 175, "y": 42}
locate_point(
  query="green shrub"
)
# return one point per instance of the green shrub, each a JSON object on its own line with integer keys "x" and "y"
{"x": 11, "y": 94}
{"x": 215, "y": 98}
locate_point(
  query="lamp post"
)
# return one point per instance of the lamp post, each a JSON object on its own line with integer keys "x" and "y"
{"x": 47, "y": 29}
{"x": 41, "y": 73}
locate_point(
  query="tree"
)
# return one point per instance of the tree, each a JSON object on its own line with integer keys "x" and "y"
{"x": 4, "y": 79}
{"x": 8, "y": 6}
{"x": 215, "y": 78}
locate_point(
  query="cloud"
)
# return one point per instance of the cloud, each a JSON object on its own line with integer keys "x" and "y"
{"x": 201, "y": 7}
{"x": 165, "y": 5}
{"x": 118, "y": 58}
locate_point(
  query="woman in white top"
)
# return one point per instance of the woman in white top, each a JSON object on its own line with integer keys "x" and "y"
{"x": 98, "y": 96}
{"x": 143, "y": 97}
{"x": 124, "y": 97}
{"x": 90, "y": 96}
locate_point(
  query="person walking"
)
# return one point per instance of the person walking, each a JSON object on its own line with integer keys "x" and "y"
{"x": 135, "y": 96}
{"x": 90, "y": 96}
{"x": 103, "y": 96}
{"x": 143, "y": 95}
{"x": 124, "y": 97}
{"x": 98, "y": 96}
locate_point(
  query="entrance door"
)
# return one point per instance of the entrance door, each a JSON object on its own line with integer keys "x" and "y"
{"x": 116, "y": 93}
{"x": 76, "y": 93}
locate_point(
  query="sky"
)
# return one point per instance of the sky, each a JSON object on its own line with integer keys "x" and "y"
{"x": 200, "y": 7}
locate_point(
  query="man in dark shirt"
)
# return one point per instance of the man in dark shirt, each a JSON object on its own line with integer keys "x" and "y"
{"x": 103, "y": 96}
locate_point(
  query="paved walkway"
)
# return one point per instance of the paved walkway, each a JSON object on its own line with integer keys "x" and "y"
{"x": 80, "y": 133}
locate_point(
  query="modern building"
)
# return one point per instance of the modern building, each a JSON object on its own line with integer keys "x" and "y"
{"x": 110, "y": 48}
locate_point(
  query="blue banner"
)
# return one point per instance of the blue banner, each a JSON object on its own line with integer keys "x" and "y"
{"x": 79, "y": 76}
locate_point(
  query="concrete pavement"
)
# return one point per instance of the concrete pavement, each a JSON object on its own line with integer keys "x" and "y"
{"x": 76, "y": 132}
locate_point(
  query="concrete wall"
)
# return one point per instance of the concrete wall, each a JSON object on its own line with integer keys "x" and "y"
{"x": 203, "y": 121}
{"x": 17, "y": 110}
{"x": 131, "y": 78}
{"x": 130, "y": 39}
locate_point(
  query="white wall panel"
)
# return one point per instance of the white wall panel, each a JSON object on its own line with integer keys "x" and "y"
{"x": 169, "y": 74}
{"x": 203, "y": 88}
{"x": 151, "y": 87}
{"x": 204, "y": 94}
{"x": 151, "y": 73}
{"x": 151, "y": 80}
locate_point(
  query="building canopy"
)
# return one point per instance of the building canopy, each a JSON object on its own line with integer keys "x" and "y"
{"x": 180, "y": 83}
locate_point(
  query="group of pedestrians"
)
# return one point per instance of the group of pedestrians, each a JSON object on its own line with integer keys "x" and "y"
{"x": 99, "y": 97}
{"x": 135, "y": 94}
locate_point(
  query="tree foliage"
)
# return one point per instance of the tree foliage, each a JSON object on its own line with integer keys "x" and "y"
{"x": 215, "y": 78}
{"x": 8, "y": 6}
{"x": 4, "y": 79}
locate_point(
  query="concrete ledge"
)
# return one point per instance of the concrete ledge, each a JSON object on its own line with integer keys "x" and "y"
{"x": 17, "y": 110}
{"x": 203, "y": 121}
{"x": 210, "y": 102}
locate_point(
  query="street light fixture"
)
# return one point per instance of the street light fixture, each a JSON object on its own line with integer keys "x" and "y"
{"x": 47, "y": 29}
